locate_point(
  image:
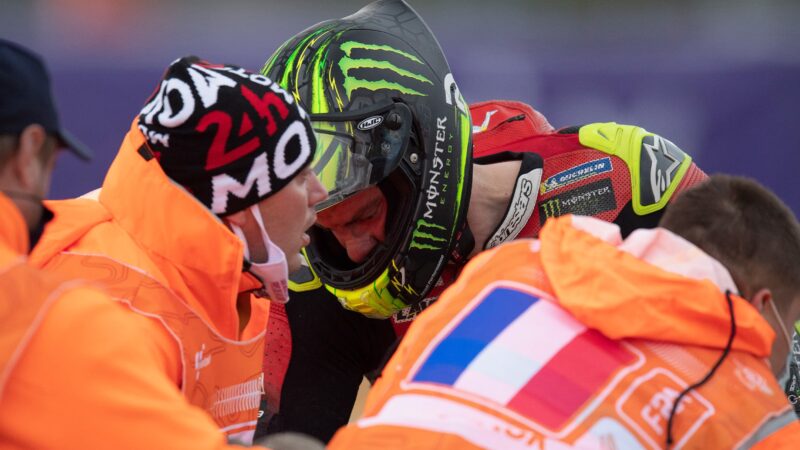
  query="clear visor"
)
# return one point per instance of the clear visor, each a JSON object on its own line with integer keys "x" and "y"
{"x": 357, "y": 152}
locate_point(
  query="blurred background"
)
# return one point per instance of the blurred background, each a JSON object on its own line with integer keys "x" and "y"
{"x": 721, "y": 79}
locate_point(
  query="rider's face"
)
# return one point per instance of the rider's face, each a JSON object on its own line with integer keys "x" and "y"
{"x": 358, "y": 223}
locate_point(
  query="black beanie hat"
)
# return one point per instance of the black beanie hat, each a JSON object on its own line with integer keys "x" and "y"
{"x": 229, "y": 136}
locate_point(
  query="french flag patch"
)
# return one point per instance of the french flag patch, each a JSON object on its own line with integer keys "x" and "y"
{"x": 524, "y": 353}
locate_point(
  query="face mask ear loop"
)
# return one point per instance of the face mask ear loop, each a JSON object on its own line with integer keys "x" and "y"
{"x": 273, "y": 273}
{"x": 274, "y": 253}
{"x": 256, "y": 212}
{"x": 785, "y": 332}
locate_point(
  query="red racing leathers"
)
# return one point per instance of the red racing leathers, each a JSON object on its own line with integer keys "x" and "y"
{"x": 317, "y": 352}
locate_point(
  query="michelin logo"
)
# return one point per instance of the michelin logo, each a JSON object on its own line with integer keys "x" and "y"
{"x": 577, "y": 173}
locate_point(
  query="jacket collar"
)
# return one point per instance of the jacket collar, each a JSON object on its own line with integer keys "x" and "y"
{"x": 201, "y": 259}
{"x": 654, "y": 285}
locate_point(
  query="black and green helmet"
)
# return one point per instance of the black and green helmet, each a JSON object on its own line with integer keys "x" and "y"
{"x": 387, "y": 112}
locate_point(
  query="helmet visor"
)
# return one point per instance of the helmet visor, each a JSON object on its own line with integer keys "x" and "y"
{"x": 354, "y": 152}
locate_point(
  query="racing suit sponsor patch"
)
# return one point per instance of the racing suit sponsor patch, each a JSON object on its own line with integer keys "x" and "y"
{"x": 576, "y": 173}
{"x": 588, "y": 200}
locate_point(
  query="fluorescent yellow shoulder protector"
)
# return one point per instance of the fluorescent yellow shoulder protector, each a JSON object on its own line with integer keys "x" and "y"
{"x": 657, "y": 166}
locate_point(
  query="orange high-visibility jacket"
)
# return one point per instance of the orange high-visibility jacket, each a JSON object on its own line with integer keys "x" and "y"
{"x": 580, "y": 340}
{"x": 157, "y": 249}
{"x": 78, "y": 370}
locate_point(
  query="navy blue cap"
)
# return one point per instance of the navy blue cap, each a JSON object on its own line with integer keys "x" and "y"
{"x": 26, "y": 98}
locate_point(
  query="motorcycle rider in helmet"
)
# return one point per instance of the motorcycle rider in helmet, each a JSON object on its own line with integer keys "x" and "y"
{"x": 412, "y": 197}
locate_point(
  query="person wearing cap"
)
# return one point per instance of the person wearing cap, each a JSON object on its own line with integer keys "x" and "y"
{"x": 37, "y": 308}
{"x": 201, "y": 215}
{"x": 29, "y": 130}
{"x": 76, "y": 368}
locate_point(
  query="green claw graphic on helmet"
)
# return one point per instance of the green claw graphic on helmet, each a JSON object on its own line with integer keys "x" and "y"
{"x": 425, "y": 236}
{"x": 349, "y": 65}
{"x": 383, "y": 61}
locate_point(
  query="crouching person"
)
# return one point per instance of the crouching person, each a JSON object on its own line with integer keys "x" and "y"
{"x": 582, "y": 339}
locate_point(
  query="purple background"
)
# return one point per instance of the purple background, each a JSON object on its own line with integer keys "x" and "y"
{"x": 719, "y": 79}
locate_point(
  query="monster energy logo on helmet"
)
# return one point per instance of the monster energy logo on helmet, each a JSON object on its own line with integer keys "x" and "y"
{"x": 349, "y": 66}
{"x": 371, "y": 67}
{"x": 424, "y": 236}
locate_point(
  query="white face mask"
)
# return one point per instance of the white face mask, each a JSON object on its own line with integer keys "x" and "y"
{"x": 274, "y": 272}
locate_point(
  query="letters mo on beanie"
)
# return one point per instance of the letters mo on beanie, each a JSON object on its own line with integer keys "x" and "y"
{"x": 230, "y": 137}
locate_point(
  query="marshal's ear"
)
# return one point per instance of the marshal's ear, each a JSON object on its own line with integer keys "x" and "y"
{"x": 760, "y": 299}
{"x": 24, "y": 164}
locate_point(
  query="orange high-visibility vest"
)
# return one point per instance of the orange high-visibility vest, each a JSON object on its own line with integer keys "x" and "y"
{"x": 156, "y": 248}
{"x": 25, "y": 291}
{"x": 78, "y": 370}
{"x": 26, "y": 297}
{"x": 220, "y": 375}
{"x": 570, "y": 342}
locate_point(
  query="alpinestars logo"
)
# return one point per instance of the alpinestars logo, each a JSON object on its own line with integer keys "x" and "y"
{"x": 519, "y": 210}
{"x": 659, "y": 168}
{"x": 348, "y": 64}
{"x": 424, "y": 236}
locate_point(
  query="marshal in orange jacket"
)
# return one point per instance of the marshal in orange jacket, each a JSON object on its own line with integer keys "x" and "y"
{"x": 161, "y": 252}
{"x": 581, "y": 340}
{"x": 78, "y": 370}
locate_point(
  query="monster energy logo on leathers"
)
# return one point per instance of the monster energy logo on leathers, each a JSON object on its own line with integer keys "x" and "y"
{"x": 348, "y": 64}
{"x": 550, "y": 208}
{"x": 424, "y": 236}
